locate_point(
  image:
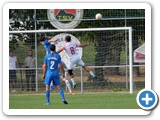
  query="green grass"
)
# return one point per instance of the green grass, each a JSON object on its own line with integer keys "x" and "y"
{"x": 78, "y": 101}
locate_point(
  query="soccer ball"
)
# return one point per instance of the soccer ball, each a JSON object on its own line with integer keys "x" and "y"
{"x": 98, "y": 16}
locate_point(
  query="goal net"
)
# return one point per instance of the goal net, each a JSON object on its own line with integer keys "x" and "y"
{"x": 109, "y": 56}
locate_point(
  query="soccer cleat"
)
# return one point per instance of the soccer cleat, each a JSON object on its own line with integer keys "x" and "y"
{"x": 94, "y": 76}
{"x": 74, "y": 85}
{"x": 72, "y": 93}
{"x": 51, "y": 88}
{"x": 65, "y": 102}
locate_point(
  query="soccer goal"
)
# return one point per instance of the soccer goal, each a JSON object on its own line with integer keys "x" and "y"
{"x": 109, "y": 56}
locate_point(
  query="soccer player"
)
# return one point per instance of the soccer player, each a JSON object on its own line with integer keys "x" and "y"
{"x": 70, "y": 48}
{"x": 47, "y": 44}
{"x": 51, "y": 72}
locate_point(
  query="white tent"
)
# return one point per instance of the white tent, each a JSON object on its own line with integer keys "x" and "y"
{"x": 139, "y": 54}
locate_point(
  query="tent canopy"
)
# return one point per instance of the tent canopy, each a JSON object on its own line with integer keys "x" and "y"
{"x": 139, "y": 54}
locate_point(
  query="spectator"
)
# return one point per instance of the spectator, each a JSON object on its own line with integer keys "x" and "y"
{"x": 30, "y": 63}
{"x": 12, "y": 71}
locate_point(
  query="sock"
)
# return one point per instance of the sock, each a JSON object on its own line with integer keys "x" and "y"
{"x": 68, "y": 85}
{"x": 73, "y": 81}
{"x": 66, "y": 74}
{"x": 47, "y": 96}
{"x": 61, "y": 94}
{"x": 91, "y": 73}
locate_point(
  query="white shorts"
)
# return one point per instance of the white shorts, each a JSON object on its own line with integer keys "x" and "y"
{"x": 73, "y": 61}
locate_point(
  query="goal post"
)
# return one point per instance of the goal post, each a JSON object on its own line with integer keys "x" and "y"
{"x": 129, "y": 29}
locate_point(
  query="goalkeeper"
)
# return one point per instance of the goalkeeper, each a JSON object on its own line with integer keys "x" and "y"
{"x": 47, "y": 44}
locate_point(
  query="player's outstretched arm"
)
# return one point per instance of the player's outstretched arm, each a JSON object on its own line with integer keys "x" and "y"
{"x": 53, "y": 40}
{"x": 84, "y": 45}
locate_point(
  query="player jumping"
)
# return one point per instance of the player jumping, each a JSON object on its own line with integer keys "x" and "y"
{"x": 70, "y": 48}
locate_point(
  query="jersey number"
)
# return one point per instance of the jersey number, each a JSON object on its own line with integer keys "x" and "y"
{"x": 72, "y": 50}
{"x": 52, "y": 65}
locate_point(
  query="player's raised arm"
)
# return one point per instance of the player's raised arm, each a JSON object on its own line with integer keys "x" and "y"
{"x": 84, "y": 45}
{"x": 55, "y": 40}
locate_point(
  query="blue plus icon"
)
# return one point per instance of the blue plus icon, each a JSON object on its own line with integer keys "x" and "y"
{"x": 147, "y": 99}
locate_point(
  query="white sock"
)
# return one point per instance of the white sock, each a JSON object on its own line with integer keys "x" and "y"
{"x": 73, "y": 81}
{"x": 91, "y": 73}
{"x": 68, "y": 85}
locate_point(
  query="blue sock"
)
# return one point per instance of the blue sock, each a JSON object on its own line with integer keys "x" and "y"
{"x": 47, "y": 96}
{"x": 61, "y": 94}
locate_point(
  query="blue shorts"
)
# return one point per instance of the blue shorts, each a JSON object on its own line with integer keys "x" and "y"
{"x": 56, "y": 80}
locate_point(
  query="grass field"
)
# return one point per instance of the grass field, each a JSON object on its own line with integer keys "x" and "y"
{"x": 78, "y": 101}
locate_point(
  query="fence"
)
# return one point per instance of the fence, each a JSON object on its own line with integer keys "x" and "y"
{"x": 109, "y": 50}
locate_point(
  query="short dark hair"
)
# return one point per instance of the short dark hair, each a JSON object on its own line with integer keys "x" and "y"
{"x": 30, "y": 50}
{"x": 52, "y": 47}
{"x": 68, "y": 38}
{"x": 10, "y": 51}
{"x": 41, "y": 39}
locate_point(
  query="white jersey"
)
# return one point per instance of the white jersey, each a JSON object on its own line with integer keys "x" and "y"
{"x": 70, "y": 48}
{"x": 12, "y": 62}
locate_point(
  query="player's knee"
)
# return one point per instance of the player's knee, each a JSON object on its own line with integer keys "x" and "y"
{"x": 70, "y": 72}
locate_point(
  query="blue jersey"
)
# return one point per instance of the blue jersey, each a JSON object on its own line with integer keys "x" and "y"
{"x": 46, "y": 45}
{"x": 52, "y": 60}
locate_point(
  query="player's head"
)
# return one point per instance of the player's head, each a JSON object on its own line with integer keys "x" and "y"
{"x": 52, "y": 47}
{"x": 68, "y": 38}
{"x": 41, "y": 39}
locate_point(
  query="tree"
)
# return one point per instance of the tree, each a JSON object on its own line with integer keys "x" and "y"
{"x": 20, "y": 20}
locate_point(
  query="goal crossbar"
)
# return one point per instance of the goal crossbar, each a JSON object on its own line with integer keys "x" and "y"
{"x": 93, "y": 29}
{"x": 71, "y": 30}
